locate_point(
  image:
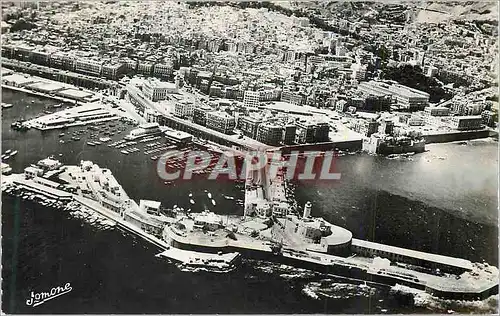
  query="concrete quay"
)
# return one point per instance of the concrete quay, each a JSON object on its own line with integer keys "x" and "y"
{"x": 77, "y": 116}
{"x": 446, "y": 137}
{"x": 479, "y": 283}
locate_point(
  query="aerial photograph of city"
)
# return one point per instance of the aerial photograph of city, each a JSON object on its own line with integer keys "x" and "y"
{"x": 235, "y": 157}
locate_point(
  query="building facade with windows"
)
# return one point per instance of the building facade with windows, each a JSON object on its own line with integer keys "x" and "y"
{"x": 251, "y": 98}
{"x": 221, "y": 122}
{"x": 157, "y": 90}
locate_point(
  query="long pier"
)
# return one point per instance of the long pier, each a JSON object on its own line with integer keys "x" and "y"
{"x": 471, "y": 281}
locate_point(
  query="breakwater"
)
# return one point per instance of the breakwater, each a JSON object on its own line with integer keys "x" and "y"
{"x": 450, "y": 287}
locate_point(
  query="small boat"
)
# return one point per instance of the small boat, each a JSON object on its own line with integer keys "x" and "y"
{"x": 32, "y": 101}
{"x": 8, "y": 151}
{"x": 213, "y": 202}
{"x": 154, "y": 157}
{"x": 62, "y": 141}
{"x": 97, "y": 143}
{"x": 47, "y": 112}
{"x": 190, "y": 194}
{"x": 90, "y": 143}
{"x": 228, "y": 197}
{"x": 209, "y": 195}
{"x": 61, "y": 135}
{"x": 125, "y": 152}
{"x": 191, "y": 201}
{"x": 58, "y": 105}
{"x": 6, "y": 169}
{"x": 6, "y": 105}
{"x": 75, "y": 138}
{"x": 13, "y": 153}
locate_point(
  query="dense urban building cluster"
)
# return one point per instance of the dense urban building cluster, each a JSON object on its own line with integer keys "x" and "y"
{"x": 262, "y": 72}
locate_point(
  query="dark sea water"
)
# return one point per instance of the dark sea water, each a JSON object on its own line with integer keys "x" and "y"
{"x": 446, "y": 206}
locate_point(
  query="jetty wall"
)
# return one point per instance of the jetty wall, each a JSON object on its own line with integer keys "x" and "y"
{"x": 458, "y": 136}
{"x": 350, "y": 145}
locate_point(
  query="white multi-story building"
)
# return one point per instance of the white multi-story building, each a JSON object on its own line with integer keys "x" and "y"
{"x": 251, "y": 99}
{"x": 184, "y": 108}
{"x": 163, "y": 70}
{"x": 156, "y": 90}
{"x": 145, "y": 67}
{"x": 63, "y": 60}
{"x": 437, "y": 111}
{"x": 89, "y": 66}
{"x": 269, "y": 94}
{"x": 113, "y": 69}
{"x": 405, "y": 97}
{"x": 358, "y": 72}
{"x": 221, "y": 122}
{"x": 467, "y": 122}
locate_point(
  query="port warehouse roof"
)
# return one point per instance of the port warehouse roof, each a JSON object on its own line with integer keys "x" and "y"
{"x": 450, "y": 261}
{"x": 75, "y": 93}
{"x": 81, "y": 112}
{"x": 46, "y": 86}
{"x": 18, "y": 79}
{"x": 177, "y": 135}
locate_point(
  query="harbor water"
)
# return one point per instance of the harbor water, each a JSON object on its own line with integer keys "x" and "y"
{"x": 441, "y": 201}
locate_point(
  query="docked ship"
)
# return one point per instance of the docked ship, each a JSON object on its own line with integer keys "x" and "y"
{"x": 19, "y": 125}
{"x": 149, "y": 129}
{"x": 6, "y": 169}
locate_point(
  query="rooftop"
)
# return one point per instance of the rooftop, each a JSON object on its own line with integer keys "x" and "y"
{"x": 454, "y": 262}
{"x": 75, "y": 93}
{"x": 149, "y": 204}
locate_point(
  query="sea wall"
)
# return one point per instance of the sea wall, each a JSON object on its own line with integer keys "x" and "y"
{"x": 458, "y": 135}
{"x": 350, "y": 145}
